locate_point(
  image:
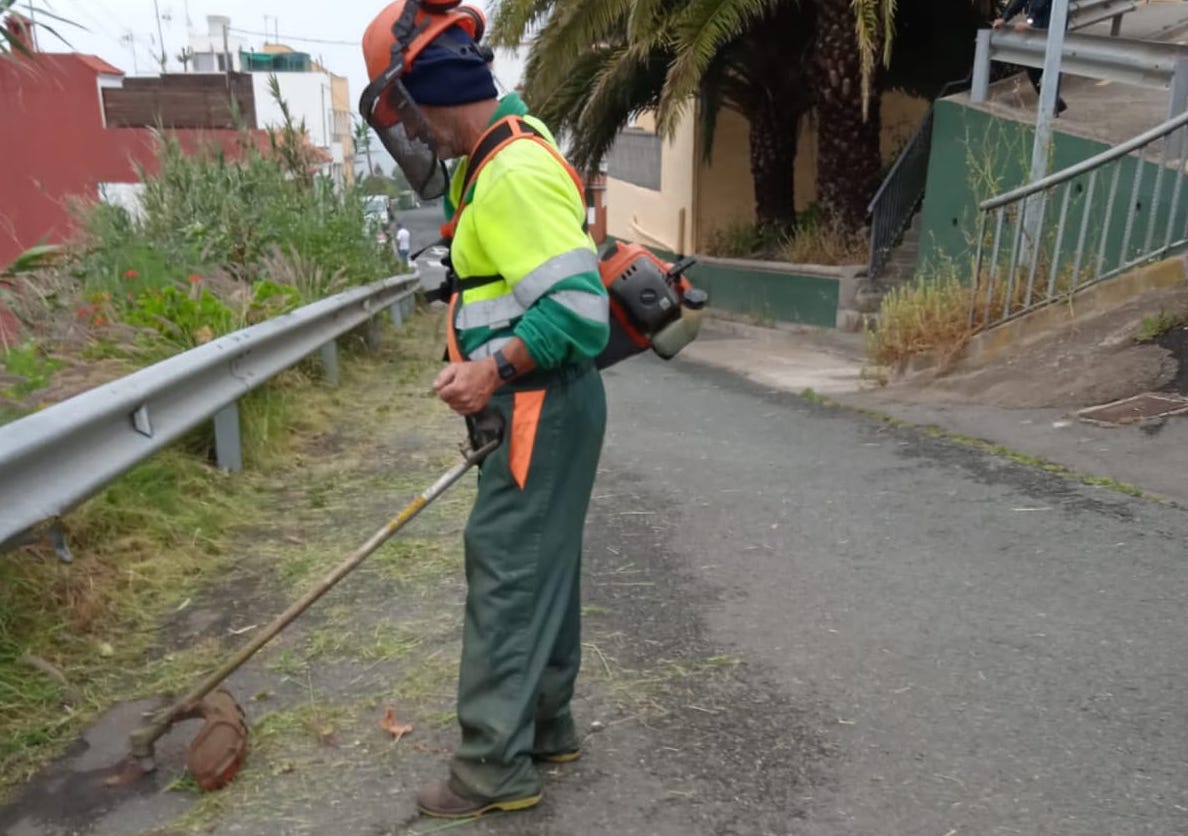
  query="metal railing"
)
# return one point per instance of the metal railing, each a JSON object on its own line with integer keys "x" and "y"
{"x": 894, "y": 204}
{"x": 1120, "y": 60}
{"x": 1082, "y": 13}
{"x": 902, "y": 190}
{"x": 54, "y": 459}
{"x": 1092, "y": 239}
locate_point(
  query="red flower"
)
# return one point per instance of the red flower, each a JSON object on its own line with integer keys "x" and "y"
{"x": 195, "y": 278}
{"x": 131, "y": 274}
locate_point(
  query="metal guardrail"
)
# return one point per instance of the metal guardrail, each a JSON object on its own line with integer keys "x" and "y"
{"x": 1121, "y": 60}
{"x": 1100, "y": 241}
{"x": 54, "y": 459}
{"x": 1082, "y": 13}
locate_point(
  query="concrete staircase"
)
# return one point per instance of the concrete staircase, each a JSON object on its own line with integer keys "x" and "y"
{"x": 899, "y": 269}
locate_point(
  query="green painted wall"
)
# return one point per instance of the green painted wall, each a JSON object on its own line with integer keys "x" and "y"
{"x": 783, "y": 297}
{"x": 976, "y": 155}
{"x": 765, "y": 294}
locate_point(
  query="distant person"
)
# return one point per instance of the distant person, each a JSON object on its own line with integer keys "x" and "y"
{"x": 403, "y": 244}
{"x": 1039, "y": 13}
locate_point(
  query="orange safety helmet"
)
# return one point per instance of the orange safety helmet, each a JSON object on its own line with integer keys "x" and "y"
{"x": 395, "y": 38}
{"x": 391, "y": 45}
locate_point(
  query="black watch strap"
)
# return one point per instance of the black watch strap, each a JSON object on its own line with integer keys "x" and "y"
{"x": 506, "y": 370}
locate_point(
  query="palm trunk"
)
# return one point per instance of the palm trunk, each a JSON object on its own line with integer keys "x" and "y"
{"x": 773, "y": 140}
{"x": 847, "y": 142}
{"x": 779, "y": 96}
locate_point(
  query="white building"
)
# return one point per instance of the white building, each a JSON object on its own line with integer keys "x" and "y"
{"x": 306, "y": 88}
{"x": 216, "y": 47}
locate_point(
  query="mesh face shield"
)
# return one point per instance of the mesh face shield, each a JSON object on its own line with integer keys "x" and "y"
{"x": 405, "y": 134}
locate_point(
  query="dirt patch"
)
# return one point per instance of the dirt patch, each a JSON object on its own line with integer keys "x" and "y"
{"x": 1093, "y": 361}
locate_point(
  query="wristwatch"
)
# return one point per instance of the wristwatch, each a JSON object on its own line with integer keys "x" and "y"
{"x": 506, "y": 370}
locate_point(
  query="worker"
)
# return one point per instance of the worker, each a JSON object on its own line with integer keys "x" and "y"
{"x": 528, "y": 318}
{"x": 1039, "y": 14}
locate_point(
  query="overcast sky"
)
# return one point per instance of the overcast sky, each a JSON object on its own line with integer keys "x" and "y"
{"x": 330, "y": 31}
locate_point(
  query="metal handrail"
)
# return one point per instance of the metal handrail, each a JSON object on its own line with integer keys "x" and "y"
{"x": 1084, "y": 167}
{"x": 54, "y": 459}
{"x": 888, "y": 222}
{"x": 1103, "y": 227}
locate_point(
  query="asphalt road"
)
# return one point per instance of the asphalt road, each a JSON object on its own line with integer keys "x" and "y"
{"x": 423, "y": 225}
{"x": 977, "y": 645}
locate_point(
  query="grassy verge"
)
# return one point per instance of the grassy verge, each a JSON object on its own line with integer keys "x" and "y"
{"x": 74, "y": 638}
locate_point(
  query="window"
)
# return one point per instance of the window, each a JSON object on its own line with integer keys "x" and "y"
{"x": 635, "y": 158}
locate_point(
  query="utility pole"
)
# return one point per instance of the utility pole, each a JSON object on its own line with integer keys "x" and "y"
{"x": 160, "y": 35}
{"x": 1049, "y": 93}
{"x": 227, "y": 57}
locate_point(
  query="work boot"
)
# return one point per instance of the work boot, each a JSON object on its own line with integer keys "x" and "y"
{"x": 441, "y": 801}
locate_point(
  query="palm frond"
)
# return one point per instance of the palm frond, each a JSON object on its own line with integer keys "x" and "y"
{"x": 643, "y": 23}
{"x": 703, "y": 28}
{"x": 514, "y": 19}
{"x": 575, "y": 27}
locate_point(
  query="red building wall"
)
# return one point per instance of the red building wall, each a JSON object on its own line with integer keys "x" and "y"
{"x": 53, "y": 146}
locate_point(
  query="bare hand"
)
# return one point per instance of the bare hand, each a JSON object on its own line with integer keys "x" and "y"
{"x": 467, "y": 387}
{"x": 1021, "y": 26}
{"x": 997, "y": 24}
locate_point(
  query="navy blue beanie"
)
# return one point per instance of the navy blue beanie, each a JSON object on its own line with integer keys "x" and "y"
{"x": 450, "y": 71}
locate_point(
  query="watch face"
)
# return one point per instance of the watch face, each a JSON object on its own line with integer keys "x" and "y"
{"x": 506, "y": 370}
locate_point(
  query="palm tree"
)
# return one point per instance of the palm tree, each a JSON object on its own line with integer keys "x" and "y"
{"x": 769, "y": 60}
{"x": 594, "y": 65}
{"x": 851, "y": 36}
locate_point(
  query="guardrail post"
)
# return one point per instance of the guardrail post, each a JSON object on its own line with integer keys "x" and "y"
{"x": 228, "y": 450}
{"x": 408, "y": 305}
{"x": 980, "y": 87}
{"x": 373, "y": 333}
{"x": 61, "y": 547}
{"x": 397, "y": 311}
{"x": 1177, "y": 103}
{"x": 329, "y": 353}
{"x": 1116, "y": 26}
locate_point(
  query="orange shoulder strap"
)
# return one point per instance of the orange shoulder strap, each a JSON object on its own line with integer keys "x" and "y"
{"x": 495, "y": 139}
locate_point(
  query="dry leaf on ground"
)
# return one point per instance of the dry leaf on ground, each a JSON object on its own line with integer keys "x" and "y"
{"x": 390, "y": 724}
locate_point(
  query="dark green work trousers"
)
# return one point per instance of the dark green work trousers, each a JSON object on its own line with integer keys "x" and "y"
{"x": 521, "y": 643}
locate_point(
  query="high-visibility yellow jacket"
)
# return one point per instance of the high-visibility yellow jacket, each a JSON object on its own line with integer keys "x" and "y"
{"x": 524, "y": 222}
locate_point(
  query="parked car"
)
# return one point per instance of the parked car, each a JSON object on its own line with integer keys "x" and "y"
{"x": 377, "y": 219}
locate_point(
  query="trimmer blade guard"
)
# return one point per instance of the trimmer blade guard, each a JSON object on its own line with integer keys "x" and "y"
{"x": 218, "y": 750}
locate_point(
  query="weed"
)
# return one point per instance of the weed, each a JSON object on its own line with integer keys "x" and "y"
{"x": 744, "y": 239}
{"x": 29, "y": 363}
{"x": 820, "y": 240}
{"x": 1153, "y": 327}
{"x": 927, "y": 315}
